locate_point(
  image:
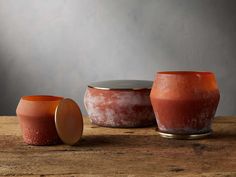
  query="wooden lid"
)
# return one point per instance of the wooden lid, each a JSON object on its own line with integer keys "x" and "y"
{"x": 122, "y": 85}
{"x": 69, "y": 121}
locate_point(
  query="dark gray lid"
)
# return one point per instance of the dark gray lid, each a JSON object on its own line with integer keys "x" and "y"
{"x": 122, "y": 85}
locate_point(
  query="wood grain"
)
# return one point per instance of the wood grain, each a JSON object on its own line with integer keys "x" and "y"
{"x": 121, "y": 152}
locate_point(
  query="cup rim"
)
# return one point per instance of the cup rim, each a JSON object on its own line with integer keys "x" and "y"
{"x": 41, "y": 98}
{"x": 185, "y": 72}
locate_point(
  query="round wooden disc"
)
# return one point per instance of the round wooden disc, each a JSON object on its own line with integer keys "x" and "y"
{"x": 69, "y": 121}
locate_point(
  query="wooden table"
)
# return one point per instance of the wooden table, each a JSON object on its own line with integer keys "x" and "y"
{"x": 121, "y": 152}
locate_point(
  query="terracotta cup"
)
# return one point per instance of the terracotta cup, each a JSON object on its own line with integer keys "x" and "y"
{"x": 184, "y": 103}
{"x": 36, "y": 117}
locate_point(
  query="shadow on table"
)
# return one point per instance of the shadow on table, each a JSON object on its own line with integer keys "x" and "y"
{"x": 150, "y": 140}
{"x": 117, "y": 140}
{"x": 223, "y": 136}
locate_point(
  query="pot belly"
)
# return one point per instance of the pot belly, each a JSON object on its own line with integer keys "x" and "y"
{"x": 119, "y": 108}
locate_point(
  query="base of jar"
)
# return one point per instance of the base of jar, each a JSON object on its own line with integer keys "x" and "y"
{"x": 42, "y": 142}
{"x": 131, "y": 124}
{"x": 125, "y": 126}
{"x": 184, "y": 136}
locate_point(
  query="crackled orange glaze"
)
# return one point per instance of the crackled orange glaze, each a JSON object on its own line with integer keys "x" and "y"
{"x": 185, "y": 102}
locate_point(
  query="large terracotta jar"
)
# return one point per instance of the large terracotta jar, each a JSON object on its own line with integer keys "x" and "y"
{"x": 36, "y": 117}
{"x": 184, "y": 103}
{"x": 120, "y": 103}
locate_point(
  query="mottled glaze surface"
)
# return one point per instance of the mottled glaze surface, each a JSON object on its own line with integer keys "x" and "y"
{"x": 119, "y": 108}
{"x": 36, "y": 117}
{"x": 185, "y": 102}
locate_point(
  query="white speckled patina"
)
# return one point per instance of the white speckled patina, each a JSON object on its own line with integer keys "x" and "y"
{"x": 119, "y": 108}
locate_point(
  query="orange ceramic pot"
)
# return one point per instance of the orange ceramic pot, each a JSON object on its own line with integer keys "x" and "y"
{"x": 184, "y": 103}
{"x": 120, "y": 103}
{"x": 36, "y": 117}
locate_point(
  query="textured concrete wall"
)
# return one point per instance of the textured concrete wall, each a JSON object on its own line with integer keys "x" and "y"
{"x": 58, "y": 46}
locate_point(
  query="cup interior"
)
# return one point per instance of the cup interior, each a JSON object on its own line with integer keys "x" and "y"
{"x": 41, "y": 98}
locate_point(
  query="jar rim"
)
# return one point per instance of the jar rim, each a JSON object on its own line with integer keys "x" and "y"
{"x": 122, "y": 85}
{"x": 185, "y": 72}
{"x": 41, "y": 98}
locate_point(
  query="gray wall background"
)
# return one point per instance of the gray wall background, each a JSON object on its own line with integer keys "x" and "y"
{"x": 58, "y": 46}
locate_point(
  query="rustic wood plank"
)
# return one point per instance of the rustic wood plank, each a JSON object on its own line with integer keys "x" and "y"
{"x": 121, "y": 152}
